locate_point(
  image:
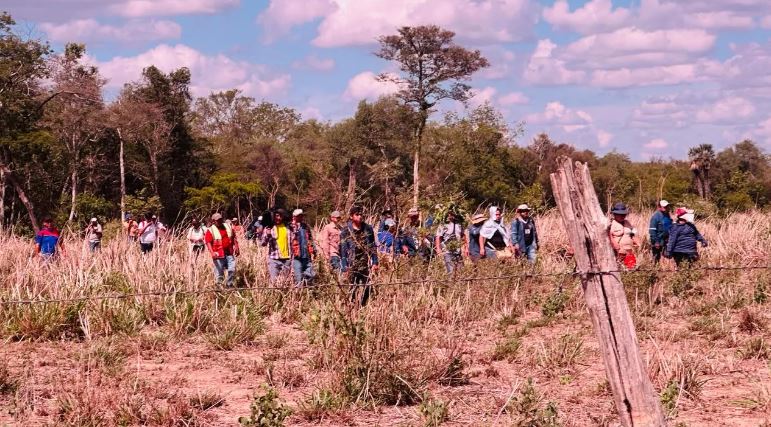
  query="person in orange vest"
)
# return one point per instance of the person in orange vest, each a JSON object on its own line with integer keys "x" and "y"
{"x": 223, "y": 246}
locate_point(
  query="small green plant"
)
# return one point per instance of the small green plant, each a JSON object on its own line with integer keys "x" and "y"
{"x": 555, "y": 304}
{"x": 434, "y": 411}
{"x": 711, "y": 327}
{"x": 320, "y": 403}
{"x": 528, "y": 410}
{"x": 454, "y": 374}
{"x": 669, "y": 398}
{"x": 507, "y": 349}
{"x": 266, "y": 411}
{"x": 206, "y": 400}
{"x": 561, "y": 353}
{"x": 760, "y": 295}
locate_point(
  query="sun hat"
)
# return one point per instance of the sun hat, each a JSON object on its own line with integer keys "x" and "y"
{"x": 297, "y": 212}
{"x": 216, "y": 216}
{"x": 523, "y": 207}
{"x": 413, "y": 212}
{"x": 476, "y": 219}
{"x": 663, "y": 203}
{"x": 335, "y": 214}
{"x": 619, "y": 209}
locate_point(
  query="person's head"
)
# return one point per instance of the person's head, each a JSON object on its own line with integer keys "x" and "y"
{"x": 413, "y": 215}
{"x": 234, "y": 221}
{"x": 356, "y": 213}
{"x": 496, "y": 213}
{"x": 298, "y": 216}
{"x": 451, "y": 217}
{"x": 335, "y": 217}
{"x": 663, "y": 206}
{"x": 149, "y": 217}
{"x": 619, "y": 212}
{"x": 279, "y": 216}
{"x": 387, "y": 213}
{"x": 390, "y": 224}
{"x": 48, "y": 222}
{"x": 216, "y": 218}
{"x": 524, "y": 211}
{"x": 196, "y": 222}
{"x": 94, "y": 221}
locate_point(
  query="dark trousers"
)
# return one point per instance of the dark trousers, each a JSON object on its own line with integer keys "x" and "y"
{"x": 684, "y": 258}
{"x": 146, "y": 247}
{"x": 657, "y": 253}
{"x": 360, "y": 281}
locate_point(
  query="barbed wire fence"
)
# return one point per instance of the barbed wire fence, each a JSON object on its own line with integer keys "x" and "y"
{"x": 448, "y": 281}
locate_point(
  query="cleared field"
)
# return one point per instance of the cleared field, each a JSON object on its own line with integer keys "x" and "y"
{"x": 513, "y": 351}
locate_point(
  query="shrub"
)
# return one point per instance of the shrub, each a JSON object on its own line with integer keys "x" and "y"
{"x": 266, "y": 411}
{"x": 434, "y": 411}
{"x": 561, "y": 353}
{"x": 527, "y": 408}
{"x": 507, "y": 349}
{"x": 555, "y": 304}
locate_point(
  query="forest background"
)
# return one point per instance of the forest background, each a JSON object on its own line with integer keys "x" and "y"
{"x": 69, "y": 152}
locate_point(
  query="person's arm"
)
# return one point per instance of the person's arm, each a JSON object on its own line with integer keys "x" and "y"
{"x": 514, "y": 235}
{"x": 343, "y": 250}
{"x": 99, "y": 231}
{"x": 673, "y": 235}
{"x": 373, "y": 250}
{"x": 482, "y": 242}
{"x": 208, "y": 239}
{"x": 635, "y": 239}
{"x": 655, "y": 230}
{"x": 613, "y": 242}
{"x": 700, "y": 238}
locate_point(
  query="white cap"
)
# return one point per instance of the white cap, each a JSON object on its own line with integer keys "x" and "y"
{"x": 689, "y": 217}
{"x": 93, "y": 219}
{"x": 389, "y": 222}
{"x": 523, "y": 207}
{"x": 297, "y": 212}
{"x": 663, "y": 203}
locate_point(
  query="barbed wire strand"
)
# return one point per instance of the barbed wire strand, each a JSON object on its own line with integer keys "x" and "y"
{"x": 414, "y": 282}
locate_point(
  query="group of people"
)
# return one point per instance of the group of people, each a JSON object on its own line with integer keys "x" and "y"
{"x": 354, "y": 250}
{"x": 673, "y": 239}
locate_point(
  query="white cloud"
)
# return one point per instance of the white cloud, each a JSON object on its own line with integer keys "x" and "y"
{"x": 730, "y": 110}
{"x": 656, "y": 144}
{"x": 593, "y": 17}
{"x": 356, "y": 22}
{"x": 89, "y": 30}
{"x": 513, "y": 98}
{"x": 282, "y": 15}
{"x": 65, "y": 10}
{"x": 366, "y": 86}
{"x": 210, "y": 73}
{"x": 766, "y": 22}
{"x": 544, "y": 69}
{"x": 604, "y": 138}
{"x": 313, "y": 62}
{"x": 556, "y": 114}
{"x": 481, "y": 96}
{"x": 137, "y": 8}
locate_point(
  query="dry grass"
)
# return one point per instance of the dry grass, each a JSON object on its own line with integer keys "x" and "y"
{"x": 429, "y": 353}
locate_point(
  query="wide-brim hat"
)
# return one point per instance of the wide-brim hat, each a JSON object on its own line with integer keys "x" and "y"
{"x": 523, "y": 207}
{"x": 619, "y": 209}
{"x": 336, "y": 214}
{"x": 216, "y": 216}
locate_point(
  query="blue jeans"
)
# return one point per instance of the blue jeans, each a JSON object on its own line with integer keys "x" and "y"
{"x": 529, "y": 252}
{"x": 303, "y": 271}
{"x": 220, "y": 265}
{"x": 452, "y": 262}
{"x": 334, "y": 261}
{"x": 278, "y": 266}
{"x": 94, "y": 246}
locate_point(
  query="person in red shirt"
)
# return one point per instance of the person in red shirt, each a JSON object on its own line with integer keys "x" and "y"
{"x": 222, "y": 244}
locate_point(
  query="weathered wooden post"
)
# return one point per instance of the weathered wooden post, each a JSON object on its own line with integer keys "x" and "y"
{"x": 587, "y": 228}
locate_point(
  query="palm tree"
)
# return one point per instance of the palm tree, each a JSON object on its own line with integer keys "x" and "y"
{"x": 702, "y": 157}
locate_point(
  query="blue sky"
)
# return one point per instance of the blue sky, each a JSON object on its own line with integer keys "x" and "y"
{"x": 646, "y": 77}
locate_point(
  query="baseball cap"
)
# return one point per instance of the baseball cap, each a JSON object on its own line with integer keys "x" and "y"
{"x": 297, "y": 212}
{"x": 216, "y": 216}
{"x": 336, "y": 214}
{"x": 680, "y": 212}
{"x": 663, "y": 203}
{"x": 619, "y": 209}
{"x": 390, "y": 223}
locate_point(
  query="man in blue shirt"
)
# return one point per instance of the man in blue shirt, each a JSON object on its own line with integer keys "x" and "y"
{"x": 660, "y": 224}
{"x": 47, "y": 239}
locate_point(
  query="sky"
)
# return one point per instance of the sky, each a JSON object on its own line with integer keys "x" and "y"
{"x": 649, "y": 78}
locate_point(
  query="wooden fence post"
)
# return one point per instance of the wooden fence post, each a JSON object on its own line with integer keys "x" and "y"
{"x": 587, "y": 228}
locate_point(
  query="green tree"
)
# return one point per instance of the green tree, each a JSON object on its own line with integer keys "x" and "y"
{"x": 702, "y": 158}
{"x": 225, "y": 190}
{"x": 433, "y": 68}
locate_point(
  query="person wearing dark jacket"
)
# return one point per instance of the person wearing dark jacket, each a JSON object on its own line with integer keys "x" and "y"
{"x": 524, "y": 236}
{"x": 358, "y": 254}
{"x": 682, "y": 239}
{"x": 659, "y": 230}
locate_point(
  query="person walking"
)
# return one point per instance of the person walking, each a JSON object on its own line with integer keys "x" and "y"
{"x": 132, "y": 228}
{"x": 223, "y": 246}
{"x": 524, "y": 236}
{"x": 278, "y": 238}
{"x": 386, "y": 243}
{"x": 473, "y": 248}
{"x": 330, "y": 241}
{"x": 623, "y": 236}
{"x": 47, "y": 240}
{"x": 409, "y": 235}
{"x": 494, "y": 238}
{"x": 449, "y": 241}
{"x": 148, "y": 233}
{"x": 358, "y": 254}
{"x": 658, "y": 230}
{"x": 682, "y": 239}
{"x": 94, "y": 235}
{"x": 196, "y": 235}
{"x": 303, "y": 250}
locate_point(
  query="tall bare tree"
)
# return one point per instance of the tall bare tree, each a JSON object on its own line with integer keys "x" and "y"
{"x": 433, "y": 68}
{"x": 75, "y": 111}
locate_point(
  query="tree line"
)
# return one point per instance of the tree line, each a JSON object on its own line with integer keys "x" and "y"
{"x": 69, "y": 152}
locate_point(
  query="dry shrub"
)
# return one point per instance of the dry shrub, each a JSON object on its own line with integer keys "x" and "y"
{"x": 751, "y": 321}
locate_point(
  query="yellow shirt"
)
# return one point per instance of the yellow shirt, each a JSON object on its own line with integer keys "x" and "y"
{"x": 282, "y": 241}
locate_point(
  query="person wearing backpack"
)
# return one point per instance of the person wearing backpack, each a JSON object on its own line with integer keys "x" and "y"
{"x": 195, "y": 238}
{"x": 524, "y": 236}
{"x": 623, "y": 236}
{"x": 449, "y": 242}
{"x": 682, "y": 239}
{"x": 223, "y": 246}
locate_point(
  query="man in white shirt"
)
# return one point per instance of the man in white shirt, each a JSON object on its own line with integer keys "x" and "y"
{"x": 148, "y": 233}
{"x": 94, "y": 235}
